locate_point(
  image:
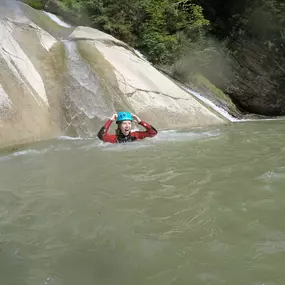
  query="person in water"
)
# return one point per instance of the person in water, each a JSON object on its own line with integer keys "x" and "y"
{"x": 123, "y": 131}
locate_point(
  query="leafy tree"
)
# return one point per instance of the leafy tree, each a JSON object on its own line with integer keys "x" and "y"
{"x": 160, "y": 28}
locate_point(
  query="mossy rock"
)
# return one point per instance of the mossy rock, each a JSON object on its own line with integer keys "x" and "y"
{"x": 47, "y": 24}
{"x": 214, "y": 94}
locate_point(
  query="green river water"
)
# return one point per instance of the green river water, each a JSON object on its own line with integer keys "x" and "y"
{"x": 204, "y": 206}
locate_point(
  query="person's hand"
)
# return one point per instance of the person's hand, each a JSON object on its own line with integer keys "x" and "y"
{"x": 114, "y": 117}
{"x": 136, "y": 118}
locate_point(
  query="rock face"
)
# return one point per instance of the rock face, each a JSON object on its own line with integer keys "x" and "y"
{"x": 259, "y": 83}
{"x": 50, "y": 85}
{"x": 26, "y": 63}
{"x": 144, "y": 89}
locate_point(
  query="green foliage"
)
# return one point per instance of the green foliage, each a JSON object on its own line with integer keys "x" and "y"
{"x": 156, "y": 27}
{"x": 265, "y": 21}
{"x": 72, "y": 5}
{"x": 36, "y": 4}
{"x": 160, "y": 48}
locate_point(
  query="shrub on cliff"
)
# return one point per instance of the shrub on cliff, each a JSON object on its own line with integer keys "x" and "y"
{"x": 36, "y": 4}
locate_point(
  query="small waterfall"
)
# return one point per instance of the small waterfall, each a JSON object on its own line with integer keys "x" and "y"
{"x": 140, "y": 55}
{"x": 57, "y": 20}
{"x": 5, "y": 103}
{"x": 84, "y": 98}
{"x": 218, "y": 109}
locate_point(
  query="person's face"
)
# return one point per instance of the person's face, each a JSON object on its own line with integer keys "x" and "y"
{"x": 125, "y": 127}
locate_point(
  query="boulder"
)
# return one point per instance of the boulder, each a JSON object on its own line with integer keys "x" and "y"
{"x": 26, "y": 62}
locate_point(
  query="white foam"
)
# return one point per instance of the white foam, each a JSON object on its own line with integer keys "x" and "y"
{"x": 26, "y": 152}
{"x": 140, "y": 55}
{"x": 31, "y": 152}
{"x": 57, "y": 19}
{"x": 69, "y": 138}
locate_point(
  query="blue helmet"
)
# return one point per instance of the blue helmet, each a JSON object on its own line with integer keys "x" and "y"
{"x": 124, "y": 116}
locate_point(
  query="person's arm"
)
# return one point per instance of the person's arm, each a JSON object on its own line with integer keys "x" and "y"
{"x": 149, "y": 132}
{"x": 103, "y": 132}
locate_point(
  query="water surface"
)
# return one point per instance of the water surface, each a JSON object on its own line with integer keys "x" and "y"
{"x": 198, "y": 207}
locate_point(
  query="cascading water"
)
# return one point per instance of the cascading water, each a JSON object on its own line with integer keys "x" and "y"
{"x": 218, "y": 109}
{"x": 84, "y": 99}
{"x": 223, "y": 112}
{"x": 57, "y": 20}
{"x": 5, "y": 103}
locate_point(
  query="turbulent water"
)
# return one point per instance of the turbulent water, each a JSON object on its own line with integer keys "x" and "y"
{"x": 204, "y": 206}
